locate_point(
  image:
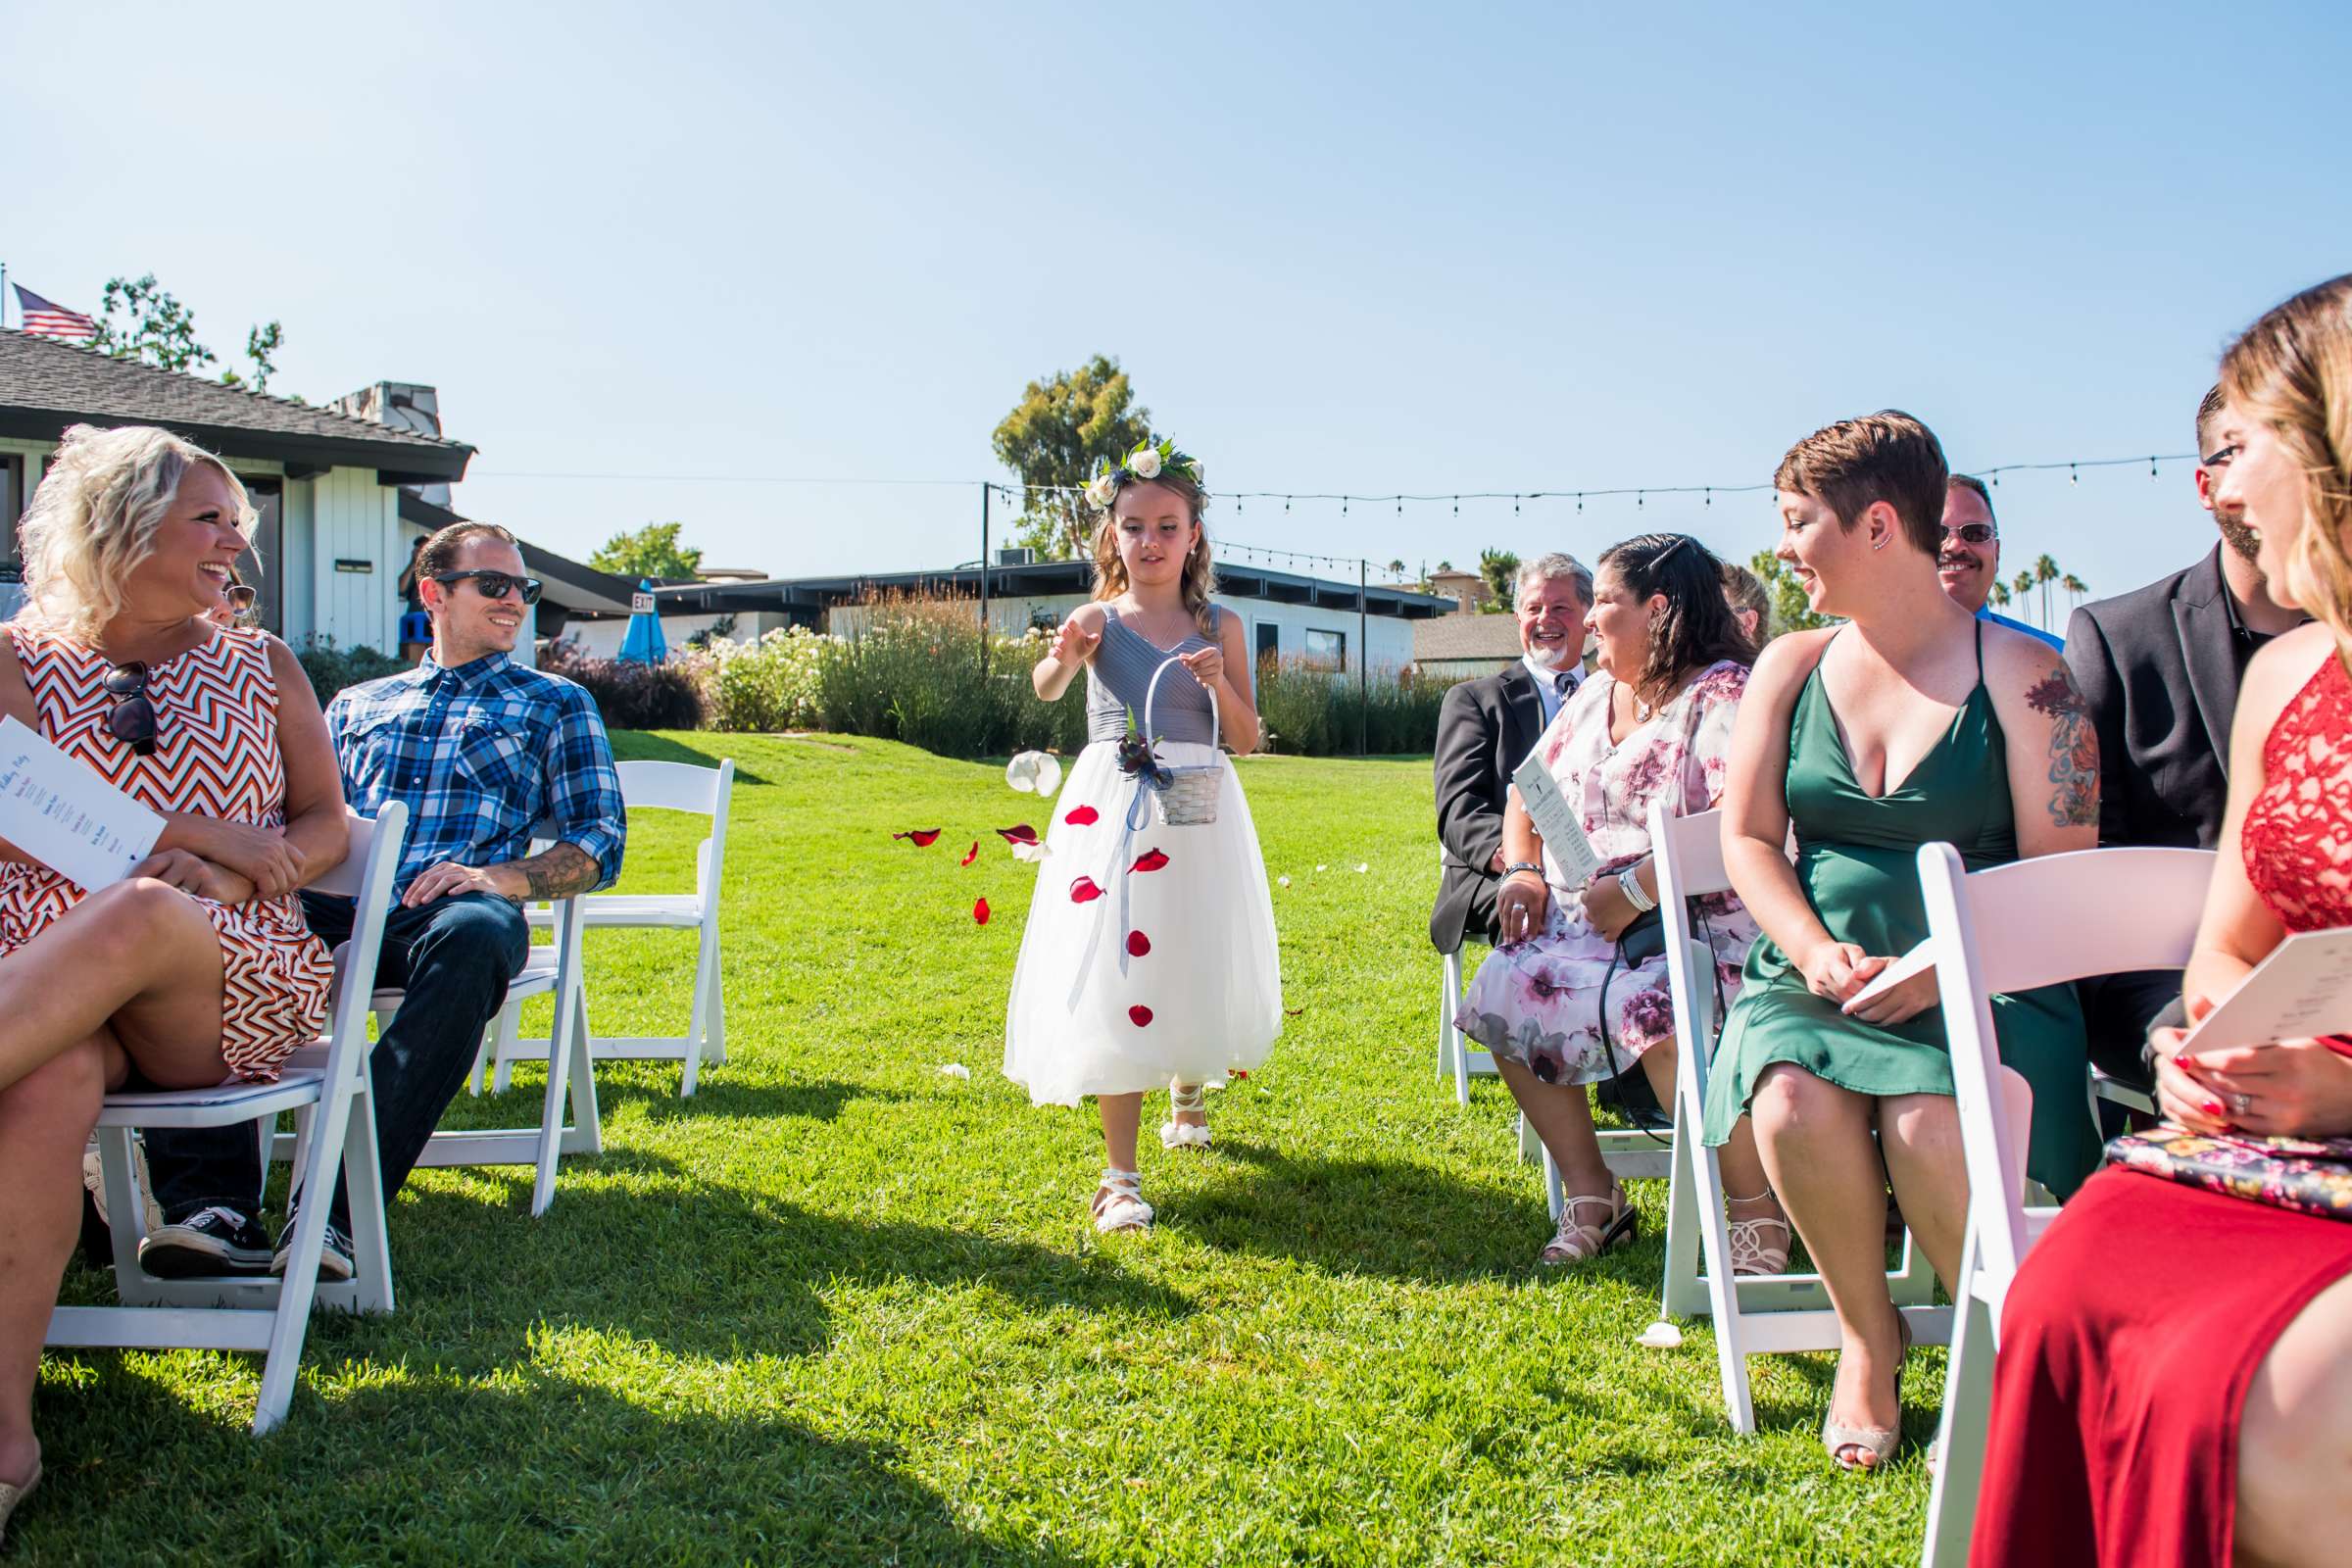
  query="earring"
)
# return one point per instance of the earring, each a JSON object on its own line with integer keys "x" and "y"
{"x": 1880, "y": 543}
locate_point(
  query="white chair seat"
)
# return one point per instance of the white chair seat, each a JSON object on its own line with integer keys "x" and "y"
{"x": 681, "y": 910}
{"x": 220, "y": 1106}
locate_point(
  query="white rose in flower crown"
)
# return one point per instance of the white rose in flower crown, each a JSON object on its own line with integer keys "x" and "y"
{"x": 1198, "y": 472}
{"x": 1144, "y": 465}
{"x": 1103, "y": 489}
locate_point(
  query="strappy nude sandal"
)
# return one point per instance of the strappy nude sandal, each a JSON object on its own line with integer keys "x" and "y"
{"x": 1759, "y": 1246}
{"x": 1185, "y": 1100}
{"x": 1878, "y": 1442}
{"x": 1577, "y": 1240}
{"x": 10, "y": 1496}
{"x": 1119, "y": 1203}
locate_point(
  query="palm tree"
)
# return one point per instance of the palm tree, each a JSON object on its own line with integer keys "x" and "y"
{"x": 1397, "y": 568}
{"x": 2075, "y": 588}
{"x": 2022, "y": 584}
{"x": 2045, "y": 572}
{"x": 1999, "y": 594}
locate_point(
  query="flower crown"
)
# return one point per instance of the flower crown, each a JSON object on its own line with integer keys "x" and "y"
{"x": 1148, "y": 461}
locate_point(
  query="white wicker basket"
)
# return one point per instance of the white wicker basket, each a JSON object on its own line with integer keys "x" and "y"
{"x": 1190, "y": 799}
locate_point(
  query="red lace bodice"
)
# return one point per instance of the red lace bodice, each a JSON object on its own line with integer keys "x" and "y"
{"x": 2298, "y": 831}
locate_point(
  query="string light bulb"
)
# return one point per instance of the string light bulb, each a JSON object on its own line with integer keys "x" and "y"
{"x": 2071, "y": 478}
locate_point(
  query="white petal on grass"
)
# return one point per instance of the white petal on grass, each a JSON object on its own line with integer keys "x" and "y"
{"x": 1282, "y": 881}
{"x": 1363, "y": 865}
{"x": 1660, "y": 1335}
{"x": 1322, "y": 868}
{"x": 955, "y": 1069}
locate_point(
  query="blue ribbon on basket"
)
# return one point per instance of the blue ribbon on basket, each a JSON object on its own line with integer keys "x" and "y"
{"x": 1149, "y": 776}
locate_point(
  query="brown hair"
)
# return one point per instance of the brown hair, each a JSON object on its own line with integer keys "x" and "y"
{"x": 1745, "y": 590}
{"x": 1695, "y": 629}
{"x": 2209, "y": 409}
{"x": 1886, "y": 456}
{"x": 1199, "y": 576}
{"x": 1976, "y": 487}
{"x": 440, "y": 551}
{"x": 2292, "y": 371}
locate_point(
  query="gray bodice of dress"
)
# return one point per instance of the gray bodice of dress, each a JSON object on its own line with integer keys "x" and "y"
{"x": 1120, "y": 675}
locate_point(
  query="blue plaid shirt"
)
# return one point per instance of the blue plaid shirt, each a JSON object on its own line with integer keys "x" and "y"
{"x": 478, "y": 753}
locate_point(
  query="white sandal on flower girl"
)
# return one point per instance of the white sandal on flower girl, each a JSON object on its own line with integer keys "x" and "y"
{"x": 1184, "y": 1099}
{"x": 1119, "y": 1203}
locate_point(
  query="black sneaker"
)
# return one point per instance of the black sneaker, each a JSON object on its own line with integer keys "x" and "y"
{"x": 334, "y": 1256}
{"x": 209, "y": 1244}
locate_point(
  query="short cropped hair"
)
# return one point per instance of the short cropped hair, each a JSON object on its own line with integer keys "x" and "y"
{"x": 2208, "y": 410}
{"x": 440, "y": 551}
{"x": 1887, "y": 456}
{"x": 94, "y": 518}
{"x": 1978, "y": 488}
{"x": 1550, "y": 569}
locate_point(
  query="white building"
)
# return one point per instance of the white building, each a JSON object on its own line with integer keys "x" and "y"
{"x": 1282, "y": 614}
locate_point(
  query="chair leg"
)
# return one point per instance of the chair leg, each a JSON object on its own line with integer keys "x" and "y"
{"x": 508, "y": 1033}
{"x": 698, "y": 1026}
{"x": 1555, "y": 1198}
{"x": 364, "y": 1179}
{"x": 715, "y": 1046}
{"x": 1682, "y": 1295}
{"x": 481, "y": 1060}
{"x": 1965, "y": 1428}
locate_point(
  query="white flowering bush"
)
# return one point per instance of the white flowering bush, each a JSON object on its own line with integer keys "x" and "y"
{"x": 772, "y": 682}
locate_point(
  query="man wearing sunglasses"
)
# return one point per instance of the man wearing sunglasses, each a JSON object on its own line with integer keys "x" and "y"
{"x": 479, "y": 748}
{"x": 2159, "y": 670}
{"x": 1970, "y": 561}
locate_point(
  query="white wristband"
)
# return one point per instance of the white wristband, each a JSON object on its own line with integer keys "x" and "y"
{"x": 1629, "y": 883}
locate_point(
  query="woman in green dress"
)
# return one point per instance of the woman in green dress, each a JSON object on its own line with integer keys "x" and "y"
{"x": 1913, "y": 722}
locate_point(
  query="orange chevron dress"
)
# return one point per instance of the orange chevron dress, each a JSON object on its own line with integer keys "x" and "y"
{"x": 217, "y": 755}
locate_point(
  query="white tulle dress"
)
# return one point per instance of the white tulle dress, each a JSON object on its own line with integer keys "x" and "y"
{"x": 1149, "y": 952}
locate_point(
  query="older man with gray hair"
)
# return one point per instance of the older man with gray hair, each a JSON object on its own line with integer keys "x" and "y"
{"x": 1486, "y": 729}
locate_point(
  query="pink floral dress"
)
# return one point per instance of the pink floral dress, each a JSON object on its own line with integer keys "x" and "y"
{"x": 1538, "y": 1003}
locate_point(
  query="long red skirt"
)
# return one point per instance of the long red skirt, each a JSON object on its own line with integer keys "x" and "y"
{"x": 2127, "y": 1346}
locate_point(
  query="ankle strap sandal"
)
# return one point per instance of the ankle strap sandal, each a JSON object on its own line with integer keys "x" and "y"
{"x": 1185, "y": 1100}
{"x": 1119, "y": 1203}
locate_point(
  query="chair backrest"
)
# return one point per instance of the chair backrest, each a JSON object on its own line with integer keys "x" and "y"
{"x": 366, "y": 878}
{"x": 2037, "y": 922}
{"x": 675, "y": 786}
{"x": 1688, "y": 856}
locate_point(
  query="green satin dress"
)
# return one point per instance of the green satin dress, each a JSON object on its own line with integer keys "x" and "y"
{"x": 1856, "y": 859}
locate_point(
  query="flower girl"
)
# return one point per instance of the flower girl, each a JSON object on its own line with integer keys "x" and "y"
{"x": 1149, "y": 956}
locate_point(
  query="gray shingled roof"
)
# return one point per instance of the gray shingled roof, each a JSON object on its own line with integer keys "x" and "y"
{"x": 47, "y": 385}
{"x": 1467, "y": 637}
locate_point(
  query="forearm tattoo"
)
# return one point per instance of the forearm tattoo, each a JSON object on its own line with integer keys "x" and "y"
{"x": 559, "y": 872}
{"x": 2074, "y": 749}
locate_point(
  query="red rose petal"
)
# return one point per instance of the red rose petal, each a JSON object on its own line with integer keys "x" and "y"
{"x": 1235, "y": 1072}
{"x": 1083, "y": 816}
{"x": 980, "y": 911}
{"x": 1138, "y": 1015}
{"x": 1084, "y": 891}
{"x": 971, "y": 854}
{"x": 1023, "y": 834}
{"x": 1149, "y": 861}
{"x": 923, "y": 837}
{"x": 1138, "y": 944}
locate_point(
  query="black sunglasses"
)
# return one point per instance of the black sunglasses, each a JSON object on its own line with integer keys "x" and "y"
{"x": 2222, "y": 458}
{"x": 496, "y": 584}
{"x": 1975, "y": 533}
{"x": 131, "y": 719}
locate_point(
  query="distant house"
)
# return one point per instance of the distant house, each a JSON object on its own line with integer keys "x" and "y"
{"x": 1282, "y": 614}
{"x": 332, "y": 539}
{"x": 1457, "y": 647}
{"x": 1467, "y": 589}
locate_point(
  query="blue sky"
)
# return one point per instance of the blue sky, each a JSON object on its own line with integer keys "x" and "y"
{"x": 1370, "y": 249}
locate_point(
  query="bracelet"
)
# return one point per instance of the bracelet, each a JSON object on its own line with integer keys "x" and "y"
{"x": 1630, "y": 884}
{"x": 1523, "y": 865}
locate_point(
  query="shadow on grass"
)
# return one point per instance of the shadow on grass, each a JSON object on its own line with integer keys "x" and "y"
{"x": 635, "y": 1246}
{"x": 1378, "y": 1218}
{"x": 642, "y": 746}
{"x": 424, "y": 1467}
{"x": 715, "y": 1095}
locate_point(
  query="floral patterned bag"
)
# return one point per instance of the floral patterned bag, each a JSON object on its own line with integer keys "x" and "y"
{"x": 2308, "y": 1175}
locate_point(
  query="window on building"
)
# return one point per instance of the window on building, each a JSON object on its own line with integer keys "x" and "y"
{"x": 1327, "y": 650}
{"x": 12, "y": 503}
{"x": 1269, "y": 642}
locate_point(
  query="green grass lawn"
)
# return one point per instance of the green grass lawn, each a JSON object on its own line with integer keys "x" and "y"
{"x": 844, "y": 1307}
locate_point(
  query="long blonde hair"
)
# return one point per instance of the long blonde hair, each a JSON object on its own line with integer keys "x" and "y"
{"x": 1199, "y": 574}
{"x": 94, "y": 518}
{"x": 2292, "y": 371}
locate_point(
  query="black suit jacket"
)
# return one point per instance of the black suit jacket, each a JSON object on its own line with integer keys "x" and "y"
{"x": 2158, "y": 670}
{"x": 1485, "y": 730}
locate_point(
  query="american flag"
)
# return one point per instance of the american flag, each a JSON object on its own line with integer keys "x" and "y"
{"x": 44, "y": 319}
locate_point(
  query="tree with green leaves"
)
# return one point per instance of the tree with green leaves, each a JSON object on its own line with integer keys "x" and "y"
{"x": 1789, "y": 610}
{"x": 2023, "y": 586}
{"x": 2075, "y": 588}
{"x": 140, "y": 319}
{"x": 1998, "y": 594}
{"x": 652, "y": 551}
{"x": 2045, "y": 572}
{"x": 1500, "y": 571}
{"x": 1064, "y": 425}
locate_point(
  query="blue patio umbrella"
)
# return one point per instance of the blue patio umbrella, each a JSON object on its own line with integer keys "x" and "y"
{"x": 644, "y": 642}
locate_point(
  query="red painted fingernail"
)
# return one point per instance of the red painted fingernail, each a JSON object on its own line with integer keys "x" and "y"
{"x": 2212, "y": 1107}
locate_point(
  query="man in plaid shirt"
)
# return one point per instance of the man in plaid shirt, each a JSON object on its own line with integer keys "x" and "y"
{"x": 480, "y": 750}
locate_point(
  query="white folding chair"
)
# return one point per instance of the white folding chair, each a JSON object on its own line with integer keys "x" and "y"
{"x": 2046, "y": 921}
{"x": 1765, "y": 1314}
{"x": 326, "y": 1087}
{"x": 667, "y": 787}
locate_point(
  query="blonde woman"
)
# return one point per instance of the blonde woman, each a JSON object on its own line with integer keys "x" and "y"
{"x": 196, "y": 968}
{"x": 1148, "y": 958}
{"x": 2175, "y": 1382}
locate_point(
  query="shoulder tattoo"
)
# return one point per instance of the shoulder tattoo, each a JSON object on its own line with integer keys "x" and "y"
{"x": 2074, "y": 749}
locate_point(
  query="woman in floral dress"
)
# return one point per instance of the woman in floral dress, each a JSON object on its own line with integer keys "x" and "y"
{"x": 1561, "y": 1007}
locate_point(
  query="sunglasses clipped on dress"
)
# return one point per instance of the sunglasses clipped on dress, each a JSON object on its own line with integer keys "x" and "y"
{"x": 132, "y": 719}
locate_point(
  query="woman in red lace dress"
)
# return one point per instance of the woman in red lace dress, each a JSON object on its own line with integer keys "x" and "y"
{"x": 2174, "y": 1380}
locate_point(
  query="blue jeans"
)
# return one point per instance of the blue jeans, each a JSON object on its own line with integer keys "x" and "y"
{"x": 453, "y": 957}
